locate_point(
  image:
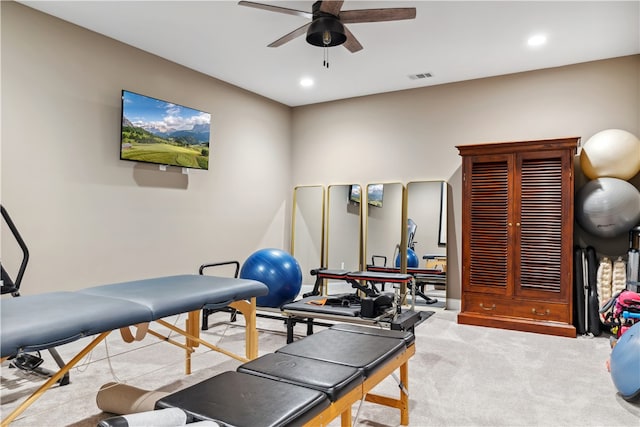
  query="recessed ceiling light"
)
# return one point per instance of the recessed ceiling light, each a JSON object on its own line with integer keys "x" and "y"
{"x": 306, "y": 82}
{"x": 537, "y": 40}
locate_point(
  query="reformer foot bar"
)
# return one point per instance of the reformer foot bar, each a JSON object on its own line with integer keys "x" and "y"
{"x": 356, "y": 279}
{"x": 64, "y": 317}
{"x": 309, "y": 382}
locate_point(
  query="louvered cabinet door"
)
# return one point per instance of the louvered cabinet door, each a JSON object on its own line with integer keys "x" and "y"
{"x": 543, "y": 225}
{"x": 486, "y": 210}
{"x": 517, "y": 235}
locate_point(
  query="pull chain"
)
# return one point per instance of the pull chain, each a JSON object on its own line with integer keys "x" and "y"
{"x": 325, "y": 62}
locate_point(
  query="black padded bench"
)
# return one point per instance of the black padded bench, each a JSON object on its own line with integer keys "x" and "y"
{"x": 308, "y": 382}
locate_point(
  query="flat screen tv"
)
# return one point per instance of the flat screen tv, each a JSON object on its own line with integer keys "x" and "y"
{"x": 375, "y": 193}
{"x": 354, "y": 193}
{"x": 164, "y": 133}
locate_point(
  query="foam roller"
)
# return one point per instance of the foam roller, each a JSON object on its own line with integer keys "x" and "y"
{"x": 170, "y": 417}
{"x": 124, "y": 399}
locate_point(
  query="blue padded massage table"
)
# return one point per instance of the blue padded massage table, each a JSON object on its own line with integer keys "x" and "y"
{"x": 64, "y": 317}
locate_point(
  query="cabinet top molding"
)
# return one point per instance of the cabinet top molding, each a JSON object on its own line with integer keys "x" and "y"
{"x": 510, "y": 147}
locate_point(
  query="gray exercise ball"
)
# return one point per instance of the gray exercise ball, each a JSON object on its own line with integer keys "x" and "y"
{"x": 608, "y": 207}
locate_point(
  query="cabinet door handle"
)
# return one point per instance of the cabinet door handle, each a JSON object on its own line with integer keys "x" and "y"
{"x": 517, "y": 224}
{"x": 493, "y": 307}
{"x": 541, "y": 313}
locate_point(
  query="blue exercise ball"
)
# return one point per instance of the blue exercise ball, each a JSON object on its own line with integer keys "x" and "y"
{"x": 279, "y": 271}
{"x": 625, "y": 363}
{"x": 412, "y": 259}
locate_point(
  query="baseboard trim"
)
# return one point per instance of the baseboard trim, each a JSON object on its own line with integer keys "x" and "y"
{"x": 453, "y": 304}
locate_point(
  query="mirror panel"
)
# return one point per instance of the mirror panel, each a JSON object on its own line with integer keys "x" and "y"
{"x": 425, "y": 207}
{"x": 424, "y": 201}
{"x": 384, "y": 223}
{"x": 344, "y": 227}
{"x": 307, "y": 229}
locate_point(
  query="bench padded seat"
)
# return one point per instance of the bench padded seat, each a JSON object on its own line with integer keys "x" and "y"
{"x": 242, "y": 400}
{"x": 362, "y": 351}
{"x": 38, "y": 322}
{"x": 407, "y": 336}
{"x": 167, "y": 296}
{"x": 330, "y": 378}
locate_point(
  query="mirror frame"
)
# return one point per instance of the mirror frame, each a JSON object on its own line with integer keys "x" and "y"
{"x": 443, "y": 220}
{"x": 294, "y": 212}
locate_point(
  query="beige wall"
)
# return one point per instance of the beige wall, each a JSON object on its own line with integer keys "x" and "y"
{"x": 411, "y": 135}
{"x": 90, "y": 218}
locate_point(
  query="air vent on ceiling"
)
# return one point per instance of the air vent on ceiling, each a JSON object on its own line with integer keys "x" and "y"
{"x": 420, "y": 76}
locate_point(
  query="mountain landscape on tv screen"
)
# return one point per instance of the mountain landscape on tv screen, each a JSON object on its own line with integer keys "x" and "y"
{"x": 184, "y": 148}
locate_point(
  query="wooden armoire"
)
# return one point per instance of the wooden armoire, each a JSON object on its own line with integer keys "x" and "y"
{"x": 517, "y": 235}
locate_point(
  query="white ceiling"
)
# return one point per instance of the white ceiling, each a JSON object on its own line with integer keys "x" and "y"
{"x": 452, "y": 40}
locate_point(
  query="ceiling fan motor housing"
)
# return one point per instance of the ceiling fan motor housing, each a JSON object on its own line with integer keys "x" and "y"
{"x": 326, "y": 31}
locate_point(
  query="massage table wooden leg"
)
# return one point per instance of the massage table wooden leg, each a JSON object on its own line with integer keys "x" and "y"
{"x": 402, "y": 361}
{"x": 341, "y": 407}
{"x": 192, "y": 333}
{"x": 200, "y": 341}
{"x": 345, "y": 419}
{"x": 248, "y": 310}
{"x": 192, "y": 329}
{"x": 47, "y": 385}
{"x": 404, "y": 397}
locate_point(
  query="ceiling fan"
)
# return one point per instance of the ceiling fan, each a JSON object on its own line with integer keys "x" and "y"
{"x": 326, "y": 28}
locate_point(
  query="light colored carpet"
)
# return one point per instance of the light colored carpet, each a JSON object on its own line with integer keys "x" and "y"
{"x": 460, "y": 376}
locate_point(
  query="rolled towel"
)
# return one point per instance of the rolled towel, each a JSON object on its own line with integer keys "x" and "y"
{"x": 169, "y": 417}
{"x": 124, "y": 399}
{"x": 604, "y": 280}
{"x": 619, "y": 279}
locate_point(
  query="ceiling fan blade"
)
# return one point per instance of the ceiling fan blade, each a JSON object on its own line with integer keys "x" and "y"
{"x": 352, "y": 44}
{"x": 292, "y": 35}
{"x": 331, "y": 7}
{"x": 377, "y": 15}
{"x": 278, "y": 9}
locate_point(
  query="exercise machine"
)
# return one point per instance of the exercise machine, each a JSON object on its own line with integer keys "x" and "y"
{"x": 28, "y": 362}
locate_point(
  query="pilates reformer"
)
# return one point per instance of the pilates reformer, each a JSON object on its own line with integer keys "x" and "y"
{"x": 308, "y": 382}
{"x": 373, "y": 308}
{"x": 421, "y": 276}
{"x": 65, "y": 317}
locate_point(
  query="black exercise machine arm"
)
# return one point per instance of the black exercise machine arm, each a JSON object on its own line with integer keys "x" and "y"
{"x": 217, "y": 264}
{"x": 10, "y": 286}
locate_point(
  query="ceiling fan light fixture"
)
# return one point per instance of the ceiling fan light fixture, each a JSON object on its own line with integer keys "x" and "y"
{"x": 326, "y": 31}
